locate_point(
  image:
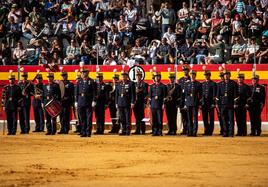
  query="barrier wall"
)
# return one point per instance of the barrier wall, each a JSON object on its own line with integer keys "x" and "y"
{"x": 262, "y": 70}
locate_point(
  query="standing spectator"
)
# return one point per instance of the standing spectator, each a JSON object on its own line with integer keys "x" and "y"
{"x": 101, "y": 11}
{"x": 16, "y": 13}
{"x": 12, "y": 32}
{"x": 91, "y": 24}
{"x": 217, "y": 47}
{"x": 81, "y": 29}
{"x": 131, "y": 13}
{"x": 183, "y": 12}
{"x": 237, "y": 29}
{"x": 124, "y": 28}
{"x": 255, "y": 25}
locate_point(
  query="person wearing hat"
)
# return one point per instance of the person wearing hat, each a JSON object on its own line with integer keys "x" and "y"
{"x": 11, "y": 99}
{"x": 24, "y": 113}
{"x": 226, "y": 94}
{"x": 141, "y": 91}
{"x": 182, "y": 82}
{"x": 209, "y": 91}
{"x": 37, "y": 105}
{"x": 157, "y": 94}
{"x": 172, "y": 101}
{"x": 217, "y": 103}
{"x": 111, "y": 87}
{"x": 51, "y": 91}
{"x": 243, "y": 91}
{"x": 85, "y": 101}
{"x": 193, "y": 95}
{"x": 66, "y": 103}
{"x": 255, "y": 105}
{"x": 125, "y": 99}
{"x": 101, "y": 103}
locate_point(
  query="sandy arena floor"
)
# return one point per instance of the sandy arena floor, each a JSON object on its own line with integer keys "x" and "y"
{"x": 110, "y": 160}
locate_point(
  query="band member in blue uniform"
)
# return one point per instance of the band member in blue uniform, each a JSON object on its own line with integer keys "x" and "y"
{"x": 39, "y": 117}
{"x": 193, "y": 95}
{"x": 141, "y": 89}
{"x": 182, "y": 82}
{"x": 226, "y": 94}
{"x": 11, "y": 98}
{"x": 51, "y": 91}
{"x": 24, "y": 114}
{"x": 218, "y": 104}
{"x": 157, "y": 94}
{"x": 112, "y": 105}
{"x": 172, "y": 101}
{"x": 255, "y": 105}
{"x": 85, "y": 101}
{"x": 101, "y": 103}
{"x": 209, "y": 91}
{"x": 67, "y": 102}
{"x": 240, "y": 105}
{"x": 125, "y": 99}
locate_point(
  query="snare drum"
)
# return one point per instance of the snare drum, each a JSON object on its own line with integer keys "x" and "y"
{"x": 53, "y": 108}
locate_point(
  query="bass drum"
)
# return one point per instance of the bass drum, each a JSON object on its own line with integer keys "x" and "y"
{"x": 53, "y": 108}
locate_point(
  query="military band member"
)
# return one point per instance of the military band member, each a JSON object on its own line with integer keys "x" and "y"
{"x": 172, "y": 101}
{"x": 218, "y": 104}
{"x": 37, "y": 105}
{"x": 66, "y": 103}
{"x": 255, "y": 105}
{"x": 101, "y": 103}
{"x": 112, "y": 105}
{"x": 78, "y": 122}
{"x": 193, "y": 95}
{"x": 157, "y": 94}
{"x": 141, "y": 89}
{"x": 182, "y": 82}
{"x": 125, "y": 99}
{"x": 240, "y": 103}
{"x": 226, "y": 93}
{"x": 24, "y": 113}
{"x": 209, "y": 91}
{"x": 51, "y": 91}
{"x": 85, "y": 101}
{"x": 11, "y": 97}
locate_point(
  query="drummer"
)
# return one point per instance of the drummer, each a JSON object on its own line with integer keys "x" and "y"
{"x": 51, "y": 93}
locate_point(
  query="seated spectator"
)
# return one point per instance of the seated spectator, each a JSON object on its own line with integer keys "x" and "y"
{"x": 5, "y": 54}
{"x": 110, "y": 60}
{"x": 170, "y": 36}
{"x": 240, "y": 7}
{"x": 238, "y": 50}
{"x": 255, "y": 25}
{"x": 138, "y": 52}
{"x": 72, "y": 53}
{"x": 204, "y": 25}
{"x": 123, "y": 59}
{"x": 101, "y": 11}
{"x": 215, "y": 22}
{"x": 56, "y": 48}
{"x": 191, "y": 25}
{"x": 251, "y": 50}
{"x": 16, "y": 14}
{"x": 19, "y": 54}
{"x": 163, "y": 52}
{"x": 187, "y": 52}
{"x": 217, "y": 48}
{"x": 99, "y": 49}
{"x": 113, "y": 34}
{"x": 179, "y": 31}
{"x": 28, "y": 30}
{"x": 34, "y": 15}
{"x": 131, "y": 13}
{"x": 237, "y": 28}
{"x": 85, "y": 52}
{"x": 66, "y": 28}
{"x": 262, "y": 55}
{"x": 152, "y": 51}
{"x": 226, "y": 29}
{"x": 124, "y": 28}
{"x": 201, "y": 46}
{"x": 219, "y": 9}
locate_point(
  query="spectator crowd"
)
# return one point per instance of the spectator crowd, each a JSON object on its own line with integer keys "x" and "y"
{"x": 116, "y": 32}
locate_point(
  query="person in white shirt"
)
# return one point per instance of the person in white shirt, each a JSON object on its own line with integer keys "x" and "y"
{"x": 183, "y": 12}
{"x": 170, "y": 36}
{"x": 131, "y": 13}
{"x": 251, "y": 50}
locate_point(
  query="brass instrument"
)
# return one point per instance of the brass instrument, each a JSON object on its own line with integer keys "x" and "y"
{"x": 28, "y": 85}
{"x": 37, "y": 92}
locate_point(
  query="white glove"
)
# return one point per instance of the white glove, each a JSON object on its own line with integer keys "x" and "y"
{"x": 4, "y": 108}
{"x": 93, "y": 104}
{"x": 116, "y": 106}
{"x": 163, "y": 106}
{"x": 132, "y": 105}
{"x": 75, "y": 104}
{"x": 42, "y": 105}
